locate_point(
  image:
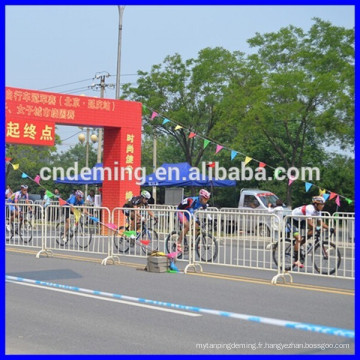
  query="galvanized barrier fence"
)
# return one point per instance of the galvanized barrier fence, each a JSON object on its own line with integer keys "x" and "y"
{"x": 324, "y": 247}
{"x": 21, "y": 227}
{"x": 237, "y": 238}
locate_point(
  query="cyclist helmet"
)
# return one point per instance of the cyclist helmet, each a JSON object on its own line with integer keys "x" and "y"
{"x": 318, "y": 200}
{"x": 79, "y": 193}
{"x": 24, "y": 186}
{"x": 145, "y": 194}
{"x": 204, "y": 193}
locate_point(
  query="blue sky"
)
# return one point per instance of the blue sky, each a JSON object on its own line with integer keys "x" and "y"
{"x": 48, "y": 46}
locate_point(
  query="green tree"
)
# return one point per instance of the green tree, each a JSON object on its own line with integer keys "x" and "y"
{"x": 188, "y": 93}
{"x": 295, "y": 94}
{"x": 30, "y": 159}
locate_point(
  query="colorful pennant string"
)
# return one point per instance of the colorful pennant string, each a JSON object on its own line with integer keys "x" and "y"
{"x": 218, "y": 148}
{"x": 154, "y": 115}
{"x": 307, "y": 186}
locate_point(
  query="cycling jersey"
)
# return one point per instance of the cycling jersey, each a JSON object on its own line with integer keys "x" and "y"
{"x": 308, "y": 210}
{"x": 192, "y": 204}
{"x": 18, "y": 196}
{"x": 74, "y": 201}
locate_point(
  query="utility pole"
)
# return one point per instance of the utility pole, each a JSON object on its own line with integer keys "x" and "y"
{"x": 87, "y": 157}
{"x": 117, "y": 88}
{"x": 102, "y": 92}
{"x": 102, "y": 87}
{"x": 154, "y": 163}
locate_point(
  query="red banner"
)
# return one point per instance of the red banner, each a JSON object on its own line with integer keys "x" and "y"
{"x": 30, "y": 132}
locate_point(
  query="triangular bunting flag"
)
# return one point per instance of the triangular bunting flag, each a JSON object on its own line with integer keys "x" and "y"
{"x": 277, "y": 172}
{"x": 349, "y": 201}
{"x": 307, "y": 186}
{"x": 247, "y": 159}
{"x": 291, "y": 180}
{"x": 337, "y": 200}
{"x": 15, "y": 166}
{"x": 206, "y": 143}
{"x": 62, "y": 202}
{"x": 178, "y": 127}
{"x": 24, "y": 176}
{"x": 154, "y": 115}
{"x": 144, "y": 108}
{"x": 233, "y": 154}
{"x": 326, "y": 196}
{"x": 262, "y": 164}
{"x": 94, "y": 219}
{"x": 111, "y": 226}
{"x": 322, "y": 192}
{"x": 7, "y": 159}
{"x": 210, "y": 164}
{"x": 37, "y": 179}
{"x": 165, "y": 121}
{"x": 191, "y": 135}
{"x": 77, "y": 214}
{"x": 332, "y": 195}
{"x": 49, "y": 194}
{"x": 218, "y": 148}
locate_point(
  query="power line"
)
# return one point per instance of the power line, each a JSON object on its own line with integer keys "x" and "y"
{"x": 56, "y": 86}
{"x": 77, "y": 82}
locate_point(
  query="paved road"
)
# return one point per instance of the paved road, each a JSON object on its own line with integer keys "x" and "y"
{"x": 47, "y": 320}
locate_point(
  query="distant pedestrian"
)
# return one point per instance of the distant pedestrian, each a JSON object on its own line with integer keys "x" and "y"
{"x": 8, "y": 192}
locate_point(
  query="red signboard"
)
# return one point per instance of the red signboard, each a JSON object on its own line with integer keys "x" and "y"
{"x": 65, "y": 109}
{"x": 31, "y": 117}
{"x": 31, "y": 132}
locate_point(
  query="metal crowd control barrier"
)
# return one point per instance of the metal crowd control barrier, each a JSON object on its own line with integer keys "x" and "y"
{"x": 236, "y": 238}
{"x": 66, "y": 233}
{"x": 141, "y": 235}
{"x": 21, "y": 227}
{"x": 322, "y": 253}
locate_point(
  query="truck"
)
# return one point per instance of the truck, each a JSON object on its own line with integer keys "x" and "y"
{"x": 246, "y": 218}
{"x": 256, "y": 199}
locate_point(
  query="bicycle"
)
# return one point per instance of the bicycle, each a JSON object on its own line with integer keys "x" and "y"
{"x": 326, "y": 257}
{"x": 146, "y": 238}
{"x": 206, "y": 245}
{"x": 83, "y": 234}
{"x": 23, "y": 228}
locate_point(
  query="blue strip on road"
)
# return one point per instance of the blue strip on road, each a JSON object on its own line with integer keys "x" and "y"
{"x": 259, "y": 319}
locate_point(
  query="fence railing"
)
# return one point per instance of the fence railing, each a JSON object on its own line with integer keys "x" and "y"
{"x": 315, "y": 246}
{"x": 238, "y": 238}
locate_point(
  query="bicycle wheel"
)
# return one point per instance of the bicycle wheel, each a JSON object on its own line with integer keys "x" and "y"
{"x": 83, "y": 236}
{"x": 171, "y": 243}
{"x": 60, "y": 235}
{"x": 326, "y": 258}
{"x": 206, "y": 247}
{"x": 25, "y": 231}
{"x": 121, "y": 242}
{"x": 152, "y": 236}
{"x": 287, "y": 263}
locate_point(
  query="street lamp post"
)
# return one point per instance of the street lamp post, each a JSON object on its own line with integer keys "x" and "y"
{"x": 82, "y": 138}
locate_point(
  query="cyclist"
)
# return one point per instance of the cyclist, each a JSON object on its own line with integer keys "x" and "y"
{"x": 76, "y": 199}
{"x": 22, "y": 194}
{"x": 141, "y": 201}
{"x": 310, "y": 210}
{"x": 191, "y": 204}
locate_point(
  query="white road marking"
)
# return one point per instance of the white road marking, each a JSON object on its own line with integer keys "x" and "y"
{"x": 109, "y": 299}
